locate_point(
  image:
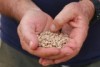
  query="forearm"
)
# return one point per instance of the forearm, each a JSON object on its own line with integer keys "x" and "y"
{"x": 16, "y": 8}
{"x": 88, "y": 8}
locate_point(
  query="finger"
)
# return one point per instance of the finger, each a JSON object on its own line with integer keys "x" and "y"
{"x": 44, "y": 52}
{"x": 40, "y": 52}
{"x": 46, "y": 62}
{"x": 49, "y": 21}
{"x": 40, "y": 60}
{"x": 78, "y": 35}
{"x": 67, "y": 50}
{"x": 63, "y": 17}
{"x": 29, "y": 37}
{"x": 66, "y": 58}
{"x": 72, "y": 45}
{"x": 60, "y": 60}
{"x": 66, "y": 29}
{"x": 63, "y": 52}
{"x": 75, "y": 46}
{"x": 56, "y": 56}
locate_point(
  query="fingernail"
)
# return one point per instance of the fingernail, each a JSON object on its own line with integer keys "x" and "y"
{"x": 31, "y": 45}
{"x": 53, "y": 27}
{"x": 45, "y": 64}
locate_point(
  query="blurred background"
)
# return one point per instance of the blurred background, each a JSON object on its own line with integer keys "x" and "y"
{"x": 0, "y": 22}
{"x": 0, "y": 29}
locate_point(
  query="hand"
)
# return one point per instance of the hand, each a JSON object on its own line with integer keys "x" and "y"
{"x": 72, "y": 20}
{"x": 33, "y": 23}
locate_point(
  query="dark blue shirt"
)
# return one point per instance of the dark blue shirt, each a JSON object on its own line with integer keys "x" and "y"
{"x": 91, "y": 48}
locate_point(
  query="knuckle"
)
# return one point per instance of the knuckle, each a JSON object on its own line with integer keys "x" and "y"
{"x": 59, "y": 22}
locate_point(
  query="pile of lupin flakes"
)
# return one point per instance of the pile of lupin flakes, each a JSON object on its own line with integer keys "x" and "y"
{"x": 49, "y": 39}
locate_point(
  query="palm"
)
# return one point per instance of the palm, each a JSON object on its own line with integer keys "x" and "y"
{"x": 77, "y": 31}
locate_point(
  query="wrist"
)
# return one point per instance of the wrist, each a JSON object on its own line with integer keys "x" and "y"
{"x": 16, "y": 8}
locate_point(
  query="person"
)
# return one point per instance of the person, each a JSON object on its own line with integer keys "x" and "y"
{"x": 23, "y": 20}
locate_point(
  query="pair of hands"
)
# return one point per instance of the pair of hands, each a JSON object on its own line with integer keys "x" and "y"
{"x": 72, "y": 20}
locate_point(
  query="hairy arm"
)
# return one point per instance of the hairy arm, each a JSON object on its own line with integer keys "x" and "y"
{"x": 16, "y": 8}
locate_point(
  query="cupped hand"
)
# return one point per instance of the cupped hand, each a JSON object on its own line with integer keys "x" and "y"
{"x": 74, "y": 21}
{"x": 32, "y": 24}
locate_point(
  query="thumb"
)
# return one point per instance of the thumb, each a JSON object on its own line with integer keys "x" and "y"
{"x": 33, "y": 43}
{"x": 29, "y": 37}
{"x": 66, "y": 15}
